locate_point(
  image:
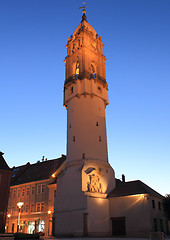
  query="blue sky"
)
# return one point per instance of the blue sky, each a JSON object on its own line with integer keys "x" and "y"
{"x": 136, "y": 34}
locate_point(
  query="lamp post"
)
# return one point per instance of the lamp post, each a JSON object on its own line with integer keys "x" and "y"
{"x": 19, "y": 204}
{"x": 49, "y": 212}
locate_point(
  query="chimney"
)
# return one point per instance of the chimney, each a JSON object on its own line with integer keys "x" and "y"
{"x": 42, "y": 158}
{"x": 123, "y": 178}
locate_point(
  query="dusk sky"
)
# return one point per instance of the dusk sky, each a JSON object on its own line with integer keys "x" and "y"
{"x": 136, "y": 34}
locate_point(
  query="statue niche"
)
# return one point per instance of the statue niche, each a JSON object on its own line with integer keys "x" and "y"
{"x": 94, "y": 185}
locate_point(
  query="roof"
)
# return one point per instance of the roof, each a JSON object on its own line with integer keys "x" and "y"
{"x": 3, "y": 164}
{"x": 132, "y": 188}
{"x": 84, "y": 24}
{"x": 36, "y": 172}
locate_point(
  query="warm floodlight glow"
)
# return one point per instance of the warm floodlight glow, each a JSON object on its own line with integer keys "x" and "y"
{"x": 9, "y": 215}
{"x": 53, "y": 175}
{"x": 49, "y": 212}
{"x": 20, "y": 204}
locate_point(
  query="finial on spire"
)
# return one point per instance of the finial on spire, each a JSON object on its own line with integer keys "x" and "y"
{"x": 83, "y": 11}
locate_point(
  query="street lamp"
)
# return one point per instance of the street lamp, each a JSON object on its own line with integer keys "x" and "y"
{"x": 19, "y": 204}
{"x": 49, "y": 212}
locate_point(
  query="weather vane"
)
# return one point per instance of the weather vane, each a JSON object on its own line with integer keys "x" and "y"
{"x": 83, "y": 8}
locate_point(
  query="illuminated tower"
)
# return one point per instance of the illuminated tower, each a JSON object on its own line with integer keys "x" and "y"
{"x": 81, "y": 206}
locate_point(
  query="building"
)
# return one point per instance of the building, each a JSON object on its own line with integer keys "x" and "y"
{"x": 89, "y": 200}
{"x": 5, "y": 176}
{"x": 78, "y": 195}
{"x": 35, "y": 186}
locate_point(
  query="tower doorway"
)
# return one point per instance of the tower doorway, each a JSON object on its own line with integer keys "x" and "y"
{"x": 118, "y": 226}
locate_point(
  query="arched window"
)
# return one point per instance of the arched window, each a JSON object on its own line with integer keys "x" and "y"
{"x": 93, "y": 71}
{"x": 77, "y": 70}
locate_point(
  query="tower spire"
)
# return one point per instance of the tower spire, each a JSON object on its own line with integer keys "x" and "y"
{"x": 84, "y": 17}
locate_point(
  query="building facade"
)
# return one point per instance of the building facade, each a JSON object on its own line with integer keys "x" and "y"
{"x": 35, "y": 186}
{"x": 5, "y": 177}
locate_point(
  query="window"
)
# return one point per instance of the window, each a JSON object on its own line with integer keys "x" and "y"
{"x": 14, "y": 193}
{"x": 83, "y": 155}
{"x": 28, "y": 191}
{"x": 159, "y": 205}
{"x": 38, "y": 207}
{"x": 93, "y": 71}
{"x": 54, "y": 192}
{"x": 97, "y": 124}
{"x": 13, "y": 210}
{"x": 155, "y": 225}
{"x": 71, "y": 90}
{"x": 22, "y": 209}
{"x": 33, "y": 190}
{"x": 42, "y": 207}
{"x": 23, "y": 191}
{"x": 77, "y": 70}
{"x": 100, "y": 139}
{"x": 74, "y": 138}
{"x": 18, "y": 193}
{"x": 99, "y": 89}
{"x": 41, "y": 189}
{"x": 32, "y": 207}
{"x": 27, "y": 208}
{"x": 161, "y": 225}
{"x": 153, "y": 204}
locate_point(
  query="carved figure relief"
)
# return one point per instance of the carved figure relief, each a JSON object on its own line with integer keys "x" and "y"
{"x": 94, "y": 184}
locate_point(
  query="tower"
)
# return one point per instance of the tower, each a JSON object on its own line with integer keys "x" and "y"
{"x": 81, "y": 204}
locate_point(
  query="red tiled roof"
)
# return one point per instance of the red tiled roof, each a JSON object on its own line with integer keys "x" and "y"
{"x": 36, "y": 172}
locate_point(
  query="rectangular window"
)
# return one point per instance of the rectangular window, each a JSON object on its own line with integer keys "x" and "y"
{"x": 32, "y": 207}
{"x": 41, "y": 189}
{"x": 23, "y": 192}
{"x": 161, "y": 225}
{"x": 42, "y": 207}
{"x": 22, "y": 209}
{"x": 38, "y": 207}
{"x": 18, "y": 193}
{"x": 28, "y": 191}
{"x": 33, "y": 190}
{"x": 13, "y": 210}
{"x": 159, "y": 205}
{"x": 54, "y": 192}
{"x": 14, "y": 193}
{"x": 155, "y": 225}
{"x": 26, "y": 208}
{"x": 153, "y": 204}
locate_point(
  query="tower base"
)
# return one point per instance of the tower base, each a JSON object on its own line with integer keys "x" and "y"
{"x": 81, "y": 204}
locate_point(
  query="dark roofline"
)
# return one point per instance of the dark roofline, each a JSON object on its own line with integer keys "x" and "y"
{"x": 3, "y": 164}
{"x": 130, "y": 188}
{"x": 36, "y": 171}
